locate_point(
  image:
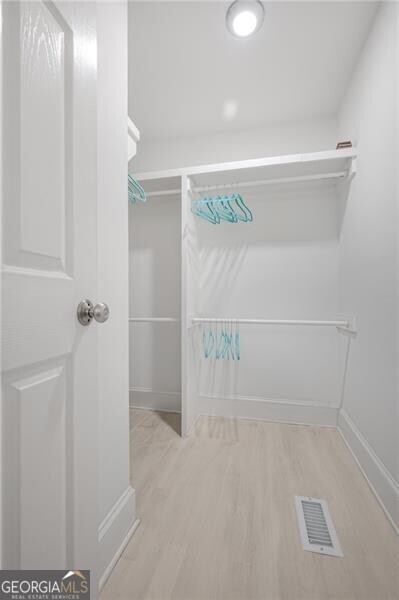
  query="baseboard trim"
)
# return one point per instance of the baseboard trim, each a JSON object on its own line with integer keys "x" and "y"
{"x": 155, "y": 400}
{"x": 105, "y": 576}
{"x": 380, "y": 481}
{"x": 278, "y": 411}
{"x": 115, "y": 532}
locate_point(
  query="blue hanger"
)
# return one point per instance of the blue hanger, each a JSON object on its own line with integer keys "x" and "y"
{"x": 220, "y": 346}
{"x": 237, "y": 216}
{"x": 208, "y": 342}
{"x": 222, "y": 209}
{"x": 237, "y": 198}
{"x": 237, "y": 344}
{"x": 215, "y": 209}
{"x": 135, "y": 191}
{"x": 210, "y": 214}
{"x": 223, "y": 343}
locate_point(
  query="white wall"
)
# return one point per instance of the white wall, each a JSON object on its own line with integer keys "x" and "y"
{"x": 295, "y": 240}
{"x": 368, "y": 257}
{"x": 1, "y": 283}
{"x": 283, "y": 265}
{"x": 116, "y": 497}
{"x": 359, "y": 262}
{"x": 302, "y": 136}
{"x": 155, "y": 290}
{"x": 397, "y": 238}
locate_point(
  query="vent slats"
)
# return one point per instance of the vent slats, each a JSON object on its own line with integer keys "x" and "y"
{"x": 316, "y": 527}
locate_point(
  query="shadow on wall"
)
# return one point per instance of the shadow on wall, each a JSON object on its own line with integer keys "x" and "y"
{"x": 343, "y": 189}
{"x": 217, "y": 377}
{"x": 283, "y": 265}
{"x": 194, "y": 265}
{"x": 219, "y": 276}
{"x": 301, "y": 215}
{"x": 282, "y": 364}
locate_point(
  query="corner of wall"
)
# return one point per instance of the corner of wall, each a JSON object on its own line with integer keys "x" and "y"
{"x": 382, "y": 484}
{"x": 366, "y": 418}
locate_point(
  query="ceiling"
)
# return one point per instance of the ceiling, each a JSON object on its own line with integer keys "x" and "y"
{"x": 188, "y": 75}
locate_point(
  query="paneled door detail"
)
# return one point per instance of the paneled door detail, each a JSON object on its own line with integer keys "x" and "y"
{"x": 49, "y": 362}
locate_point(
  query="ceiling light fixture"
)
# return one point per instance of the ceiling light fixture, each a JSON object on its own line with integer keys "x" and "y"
{"x": 245, "y": 17}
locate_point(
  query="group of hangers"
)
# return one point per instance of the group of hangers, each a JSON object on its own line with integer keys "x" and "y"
{"x": 135, "y": 191}
{"x": 231, "y": 208}
{"x": 221, "y": 342}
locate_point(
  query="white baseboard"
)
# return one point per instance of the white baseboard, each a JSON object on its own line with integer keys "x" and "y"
{"x": 115, "y": 532}
{"x": 381, "y": 482}
{"x": 280, "y": 411}
{"x": 155, "y": 400}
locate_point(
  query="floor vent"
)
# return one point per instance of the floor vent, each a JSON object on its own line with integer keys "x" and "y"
{"x": 316, "y": 527}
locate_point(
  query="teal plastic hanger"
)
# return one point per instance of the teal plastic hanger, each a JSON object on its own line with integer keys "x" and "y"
{"x": 203, "y": 208}
{"x": 135, "y": 191}
{"x": 221, "y": 341}
{"x": 247, "y": 215}
{"x": 224, "y": 209}
{"x": 208, "y": 342}
{"x": 215, "y": 209}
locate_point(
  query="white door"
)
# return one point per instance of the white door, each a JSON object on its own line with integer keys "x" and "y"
{"x": 49, "y": 362}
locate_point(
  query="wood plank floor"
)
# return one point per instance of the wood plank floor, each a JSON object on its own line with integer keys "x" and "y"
{"x": 218, "y": 518}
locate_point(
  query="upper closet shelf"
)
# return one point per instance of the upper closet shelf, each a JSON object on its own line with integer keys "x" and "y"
{"x": 313, "y": 166}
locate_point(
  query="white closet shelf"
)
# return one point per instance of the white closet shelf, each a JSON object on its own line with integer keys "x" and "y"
{"x": 312, "y": 166}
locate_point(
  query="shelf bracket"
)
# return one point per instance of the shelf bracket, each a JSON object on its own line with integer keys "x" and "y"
{"x": 350, "y": 330}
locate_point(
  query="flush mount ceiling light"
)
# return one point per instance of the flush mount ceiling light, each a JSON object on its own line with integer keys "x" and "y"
{"x": 245, "y": 17}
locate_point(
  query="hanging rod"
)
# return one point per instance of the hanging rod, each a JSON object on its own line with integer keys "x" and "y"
{"x": 153, "y": 320}
{"x": 317, "y": 177}
{"x": 343, "y": 324}
{"x": 245, "y": 184}
{"x": 163, "y": 193}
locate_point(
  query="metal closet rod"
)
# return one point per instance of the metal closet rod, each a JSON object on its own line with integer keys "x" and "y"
{"x": 261, "y": 182}
{"x": 153, "y": 320}
{"x": 246, "y": 184}
{"x": 344, "y": 324}
{"x": 163, "y": 193}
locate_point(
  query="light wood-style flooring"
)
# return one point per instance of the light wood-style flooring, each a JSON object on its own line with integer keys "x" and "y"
{"x": 218, "y": 519}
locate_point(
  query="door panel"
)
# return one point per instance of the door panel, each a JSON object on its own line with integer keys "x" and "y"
{"x": 45, "y": 115}
{"x": 37, "y": 407}
{"x": 37, "y": 307}
{"x": 38, "y": 123}
{"x": 49, "y": 361}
